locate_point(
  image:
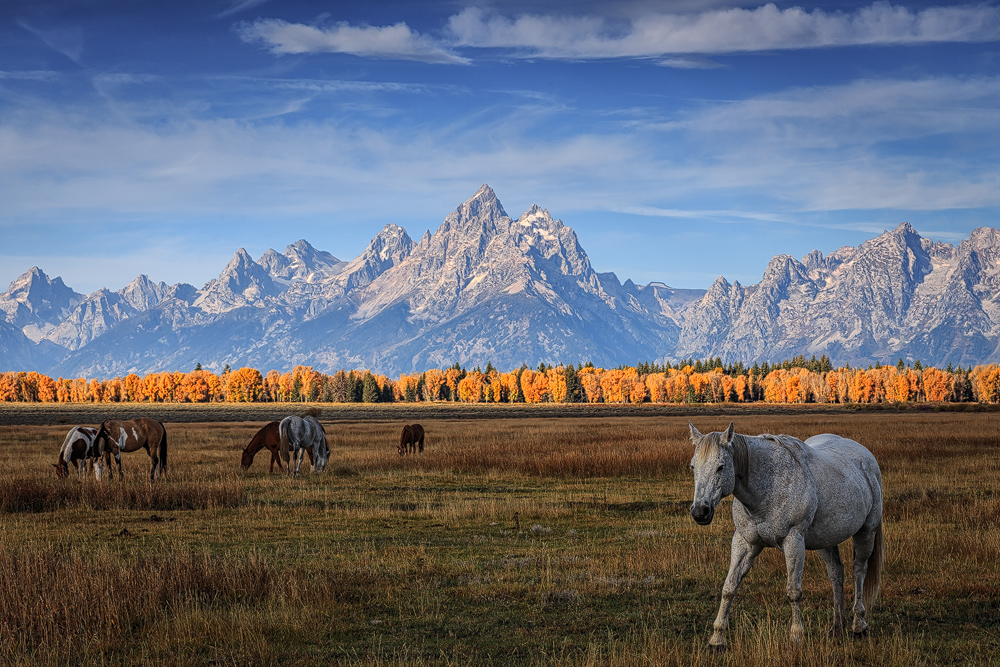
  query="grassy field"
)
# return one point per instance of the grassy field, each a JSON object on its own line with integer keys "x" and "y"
{"x": 528, "y": 539}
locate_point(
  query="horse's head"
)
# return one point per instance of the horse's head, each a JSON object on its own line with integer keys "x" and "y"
{"x": 62, "y": 469}
{"x": 101, "y": 439}
{"x": 246, "y": 459}
{"x": 714, "y": 472}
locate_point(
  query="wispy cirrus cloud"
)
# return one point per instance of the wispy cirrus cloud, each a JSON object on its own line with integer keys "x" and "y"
{"x": 29, "y": 75}
{"x": 734, "y": 30}
{"x": 237, "y": 6}
{"x": 396, "y": 41}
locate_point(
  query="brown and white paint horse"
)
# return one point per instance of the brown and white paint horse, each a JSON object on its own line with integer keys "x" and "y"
{"x": 411, "y": 440}
{"x": 267, "y": 437}
{"x": 79, "y": 449}
{"x": 115, "y": 437}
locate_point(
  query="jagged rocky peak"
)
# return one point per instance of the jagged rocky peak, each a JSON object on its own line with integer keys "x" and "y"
{"x": 392, "y": 244}
{"x": 142, "y": 293}
{"x": 242, "y": 281}
{"x": 785, "y": 270}
{"x": 33, "y": 287}
{"x": 301, "y": 252}
{"x": 539, "y": 218}
{"x": 986, "y": 242}
{"x": 300, "y": 261}
{"x": 389, "y": 248}
{"x": 480, "y": 214}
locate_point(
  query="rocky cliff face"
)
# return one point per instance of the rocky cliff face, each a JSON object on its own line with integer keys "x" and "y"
{"x": 897, "y": 295}
{"x": 486, "y": 287}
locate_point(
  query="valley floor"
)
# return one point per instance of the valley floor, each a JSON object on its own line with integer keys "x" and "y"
{"x": 529, "y": 537}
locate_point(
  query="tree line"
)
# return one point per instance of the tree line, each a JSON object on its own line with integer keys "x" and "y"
{"x": 691, "y": 381}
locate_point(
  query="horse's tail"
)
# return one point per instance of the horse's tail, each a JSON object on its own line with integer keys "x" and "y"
{"x": 873, "y": 578}
{"x": 162, "y": 453}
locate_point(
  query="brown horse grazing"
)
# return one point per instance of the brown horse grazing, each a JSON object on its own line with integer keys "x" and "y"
{"x": 115, "y": 437}
{"x": 412, "y": 439}
{"x": 78, "y": 448}
{"x": 268, "y": 436}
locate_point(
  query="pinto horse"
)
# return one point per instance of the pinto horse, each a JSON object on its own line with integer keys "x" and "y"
{"x": 78, "y": 448}
{"x": 267, "y": 437}
{"x": 411, "y": 440}
{"x": 115, "y": 437}
{"x": 793, "y": 496}
{"x": 300, "y": 434}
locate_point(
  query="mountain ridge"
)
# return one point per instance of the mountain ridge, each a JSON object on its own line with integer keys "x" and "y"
{"x": 484, "y": 287}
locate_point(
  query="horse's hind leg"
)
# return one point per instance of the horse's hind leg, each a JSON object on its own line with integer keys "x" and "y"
{"x": 741, "y": 557}
{"x": 835, "y": 570}
{"x": 864, "y": 544}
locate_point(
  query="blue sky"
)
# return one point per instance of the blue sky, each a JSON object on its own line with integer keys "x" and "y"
{"x": 682, "y": 140}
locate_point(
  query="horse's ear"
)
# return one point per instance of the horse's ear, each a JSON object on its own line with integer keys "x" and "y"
{"x": 729, "y": 434}
{"x": 695, "y": 433}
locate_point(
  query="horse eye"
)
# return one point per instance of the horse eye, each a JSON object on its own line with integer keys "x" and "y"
{"x": 721, "y": 466}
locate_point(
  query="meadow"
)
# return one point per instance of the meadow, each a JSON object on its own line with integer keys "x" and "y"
{"x": 557, "y": 537}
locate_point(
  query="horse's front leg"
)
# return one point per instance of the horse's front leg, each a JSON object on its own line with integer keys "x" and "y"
{"x": 741, "y": 557}
{"x": 835, "y": 570}
{"x": 794, "y": 548}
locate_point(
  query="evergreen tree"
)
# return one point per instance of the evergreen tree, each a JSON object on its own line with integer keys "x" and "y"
{"x": 489, "y": 367}
{"x": 296, "y": 390}
{"x": 326, "y": 396}
{"x": 825, "y": 365}
{"x": 900, "y": 365}
{"x": 574, "y": 390}
{"x": 370, "y": 392}
{"x": 917, "y": 365}
{"x": 410, "y": 393}
{"x": 340, "y": 389}
{"x": 198, "y": 366}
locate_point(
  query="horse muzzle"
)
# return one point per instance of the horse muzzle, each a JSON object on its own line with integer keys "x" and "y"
{"x": 702, "y": 514}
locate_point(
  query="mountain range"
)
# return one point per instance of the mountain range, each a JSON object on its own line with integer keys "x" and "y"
{"x": 486, "y": 287}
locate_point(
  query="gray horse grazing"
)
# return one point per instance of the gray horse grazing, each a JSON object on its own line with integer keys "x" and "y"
{"x": 793, "y": 496}
{"x": 300, "y": 434}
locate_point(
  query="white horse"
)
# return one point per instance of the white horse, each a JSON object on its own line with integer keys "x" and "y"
{"x": 793, "y": 496}
{"x": 300, "y": 434}
{"x": 80, "y": 449}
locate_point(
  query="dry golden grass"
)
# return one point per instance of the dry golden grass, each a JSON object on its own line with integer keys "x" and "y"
{"x": 529, "y": 541}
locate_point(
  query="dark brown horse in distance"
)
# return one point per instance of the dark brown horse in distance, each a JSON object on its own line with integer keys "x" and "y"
{"x": 115, "y": 437}
{"x": 412, "y": 439}
{"x": 269, "y": 437}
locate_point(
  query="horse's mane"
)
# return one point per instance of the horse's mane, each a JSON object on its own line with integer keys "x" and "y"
{"x": 740, "y": 449}
{"x": 792, "y": 445}
{"x": 311, "y": 412}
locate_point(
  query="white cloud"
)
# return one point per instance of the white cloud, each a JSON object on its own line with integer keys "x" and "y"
{"x": 395, "y": 41}
{"x": 29, "y": 75}
{"x": 734, "y": 30}
{"x": 689, "y": 62}
{"x": 237, "y": 6}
